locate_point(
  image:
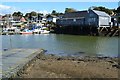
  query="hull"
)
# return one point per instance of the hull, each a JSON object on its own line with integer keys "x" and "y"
{"x": 26, "y": 32}
{"x": 45, "y": 32}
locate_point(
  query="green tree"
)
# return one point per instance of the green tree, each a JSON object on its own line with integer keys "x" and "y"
{"x": 114, "y": 10}
{"x": 17, "y": 14}
{"x": 67, "y": 10}
{"x": 54, "y": 12}
{"x": 27, "y": 14}
{"x": 33, "y": 13}
{"x": 118, "y": 9}
{"x": 30, "y": 15}
{"x": 118, "y": 13}
{"x": 7, "y": 15}
{"x": 40, "y": 14}
{"x": 119, "y": 19}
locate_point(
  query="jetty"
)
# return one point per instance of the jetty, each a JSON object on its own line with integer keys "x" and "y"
{"x": 16, "y": 60}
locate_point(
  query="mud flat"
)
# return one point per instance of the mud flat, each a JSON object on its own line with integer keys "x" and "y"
{"x": 51, "y": 66}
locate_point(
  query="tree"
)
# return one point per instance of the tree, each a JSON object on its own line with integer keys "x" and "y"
{"x": 54, "y": 12}
{"x": 7, "y": 15}
{"x": 118, "y": 9}
{"x": 67, "y": 10}
{"x": 17, "y": 14}
{"x": 118, "y": 13}
{"x": 114, "y": 10}
{"x": 30, "y": 15}
{"x": 33, "y": 13}
{"x": 119, "y": 19}
{"x": 27, "y": 14}
{"x": 40, "y": 14}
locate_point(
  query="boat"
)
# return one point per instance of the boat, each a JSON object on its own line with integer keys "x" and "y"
{"x": 38, "y": 31}
{"x": 45, "y": 32}
{"x": 27, "y": 31}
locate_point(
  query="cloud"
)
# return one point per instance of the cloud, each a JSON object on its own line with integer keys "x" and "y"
{"x": 4, "y": 9}
{"x": 30, "y": 10}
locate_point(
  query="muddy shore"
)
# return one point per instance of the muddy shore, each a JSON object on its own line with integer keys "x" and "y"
{"x": 51, "y": 66}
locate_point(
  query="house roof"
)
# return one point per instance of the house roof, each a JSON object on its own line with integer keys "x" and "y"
{"x": 23, "y": 19}
{"x": 75, "y": 14}
{"x": 0, "y": 17}
{"x": 100, "y": 13}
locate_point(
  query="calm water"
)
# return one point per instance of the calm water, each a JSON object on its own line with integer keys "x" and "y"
{"x": 64, "y": 44}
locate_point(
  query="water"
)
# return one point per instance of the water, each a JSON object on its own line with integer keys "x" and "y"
{"x": 64, "y": 44}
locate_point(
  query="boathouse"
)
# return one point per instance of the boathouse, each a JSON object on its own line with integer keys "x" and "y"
{"x": 73, "y": 19}
{"x": 88, "y": 22}
{"x": 90, "y": 17}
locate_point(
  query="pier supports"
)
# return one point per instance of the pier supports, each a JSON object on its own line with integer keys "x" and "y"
{"x": 88, "y": 30}
{"x": 108, "y": 31}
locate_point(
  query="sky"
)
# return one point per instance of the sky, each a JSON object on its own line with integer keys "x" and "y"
{"x": 47, "y": 7}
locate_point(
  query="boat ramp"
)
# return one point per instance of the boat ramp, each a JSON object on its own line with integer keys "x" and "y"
{"x": 16, "y": 60}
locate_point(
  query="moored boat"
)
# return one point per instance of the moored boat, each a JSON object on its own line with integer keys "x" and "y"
{"x": 45, "y": 32}
{"x": 26, "y": 31}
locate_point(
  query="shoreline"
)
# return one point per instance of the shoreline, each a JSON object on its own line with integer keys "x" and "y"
{"x": 52, "y": 66}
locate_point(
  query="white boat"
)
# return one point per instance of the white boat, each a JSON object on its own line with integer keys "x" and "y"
{"x": 37, "y": 31}
{"x": 26, "y": 32}
{"x": 45, "y": 32}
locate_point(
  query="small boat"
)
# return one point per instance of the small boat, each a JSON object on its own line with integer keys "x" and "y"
{"x": 37, "y": 31}
{"x": 45, "y": 32}
{"x": 26, "y": 31}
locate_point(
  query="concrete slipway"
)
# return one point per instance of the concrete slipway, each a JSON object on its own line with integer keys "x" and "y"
{"x": 14, "y": 60}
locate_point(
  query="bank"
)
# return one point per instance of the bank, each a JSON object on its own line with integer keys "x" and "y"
{"x": 52, "y": 66}
{"x": 34, "y": 63}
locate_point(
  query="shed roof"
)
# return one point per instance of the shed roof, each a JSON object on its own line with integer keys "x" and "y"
{"x": 100, "y": 13}
{"x": 76, "y": 14}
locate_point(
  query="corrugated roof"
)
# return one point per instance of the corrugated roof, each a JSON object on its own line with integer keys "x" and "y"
{"x": 75, "y": 14}
{"x": 100, "y": 13}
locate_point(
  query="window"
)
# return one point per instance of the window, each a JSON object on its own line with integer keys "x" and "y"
{"x": 91, "y": 19}
{"x": 91, "y": 15}
{"x": 94, "y": 19}
{"x": 74, "y": 20}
